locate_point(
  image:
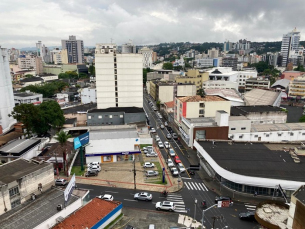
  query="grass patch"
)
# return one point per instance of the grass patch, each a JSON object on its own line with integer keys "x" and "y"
{"x": 158, "y": 179}
{"x": 114, "y": 221}
{"x": 144, "y": 145}
{"x": 77, "y": 170}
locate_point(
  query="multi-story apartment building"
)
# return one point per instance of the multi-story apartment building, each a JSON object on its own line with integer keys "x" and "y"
{"x": 7, "y": 96}
{"x": 75, "y": 49}
{"x": 119, "y": 79}
{"x": 213, "y": 53}
{"x": 291, "y": 46}
{"x": 297, "y": 87}
{"x": 27, "y": 62}
{"x": 193, "y": 76}
{"x": 147, "y": 57}
{"x": 60, "y": 56}
{"x": 230, "y": 62}
{"x": 197, "y": 106}
{"x": 257, "y": 83}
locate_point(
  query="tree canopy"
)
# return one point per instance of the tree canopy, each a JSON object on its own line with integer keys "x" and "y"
{"x": 145, "y": 71}
{"x": 168, "y": 66}
{"x": 46, "y": 89}
{"x": 91, "y": 70}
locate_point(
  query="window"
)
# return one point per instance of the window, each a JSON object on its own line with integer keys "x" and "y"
{"x": 89, "y": 117}
{"x": 243, "y": 128}
{"x": 303, "y": 133}
{"x": 256, "y": 136}
{"x": 15, "y": 203}
{"x": 99, "y": 116}
{"x": 14, "y": 191}
{"x": 279, "y": 134}
{"x": 291, "y": 134}
{"x": 233, "y": 128}
{"x": 201, "y": 111}
{"x": 267, "y": 135}
{"x": 110, "y": 116}
{"x": 201, "y": 105}
{"x": 240, "y": 136}
{"x": 261, "y": 121}
{"x": 121, "y": 116}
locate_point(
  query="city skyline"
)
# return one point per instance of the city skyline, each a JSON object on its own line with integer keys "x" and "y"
{"x": 147, "y": 23}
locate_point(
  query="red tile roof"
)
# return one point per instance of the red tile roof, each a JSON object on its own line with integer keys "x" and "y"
{"x": 89, "y": 215}
{"x": 169, "y": 104}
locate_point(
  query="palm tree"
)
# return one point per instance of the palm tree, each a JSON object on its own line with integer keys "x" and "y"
{"x": 62, "y": 137}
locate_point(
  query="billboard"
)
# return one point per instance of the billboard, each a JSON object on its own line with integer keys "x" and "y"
{"x": 81, "y": 140}
{"x": 69, "y": 189}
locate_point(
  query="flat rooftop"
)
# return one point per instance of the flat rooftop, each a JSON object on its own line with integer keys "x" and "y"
{"x": 32, "y": 213}
{"x": 14, "y": 170}
{"x": 113, "y": 134}
{"x": 261, "y": 97}
{"x": 279, "y": 127}
{"x": 25, "y": 94}
{"x": 198, "y": 98}
{"x": 80, "y": 109}
{"x": 255, "y": 160}
{"x": 244, "y": 110}
{"x": 119, "y": 109}
{"x": 225, "y": 93}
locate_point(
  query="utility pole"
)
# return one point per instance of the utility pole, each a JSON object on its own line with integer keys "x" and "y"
{"x": 134, "y": 172}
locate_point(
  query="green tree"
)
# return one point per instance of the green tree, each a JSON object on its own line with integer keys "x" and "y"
{"x": 178, "y": 68}
{"x": 25, "y": 113}
{"x": 201, "y": 92}
{"x": 260, "y": 66}
{"x": 62, "y": 137}
{"x": 302, "y": 119}
{"x": 168, "y": 66}
{"x": 145, "y": 71}
{"x": 72, "y": 74}
{"x": 91, "y": 70}
{"x": 300, "y": 68}
{"x": 52, "y": 114}
{"x": 82, "y": 75}
{"x": 158, "y": 103}
{"x": 46, "y": 89}
{"x": 28, "y": 76}
{"x": 63, "y": 76}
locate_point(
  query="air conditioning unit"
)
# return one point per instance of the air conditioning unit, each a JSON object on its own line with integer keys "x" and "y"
{"x": 59, "y": 207}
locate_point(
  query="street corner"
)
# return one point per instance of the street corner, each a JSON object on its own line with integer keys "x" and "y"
{"x": 188, "y": 221}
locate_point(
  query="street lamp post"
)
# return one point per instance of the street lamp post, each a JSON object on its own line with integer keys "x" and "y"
{"x": 195, "y": 209}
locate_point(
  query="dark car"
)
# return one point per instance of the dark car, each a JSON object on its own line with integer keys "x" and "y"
{"x": 129, "y": 227}
{"x": 175, "y": 136}
{"x": 249, "y": 216}
{"x": 222, "y": 198}
{"x": 91, "y": 173}
{"x": 169, "y": 129}
{"x": 190, "y": 171}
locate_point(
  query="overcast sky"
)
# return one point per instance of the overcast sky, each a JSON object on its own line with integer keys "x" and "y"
{"x": 23, "y": 23}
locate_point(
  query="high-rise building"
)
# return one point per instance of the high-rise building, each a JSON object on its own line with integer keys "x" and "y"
{"x": 119, "y": 80}
{"x": 290, "y": 48}
{"x": 75, "y": 49}
{"x": 213, "y": 53}
{"x": 7, "y": 96}
{"x": 128, "y": 48}
{"x": 39, "y": 65}
{"x": 43, "y": 51}
{"x": 227, "y": 46}
{"x": 147, "y": 57}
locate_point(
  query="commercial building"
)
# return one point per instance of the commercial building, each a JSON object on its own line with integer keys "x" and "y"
{"x": 43, "y": 52}
{"x": 245, "y": 74}
{"x": 39, "y": 65}
{"x": 290, "y": 75}
{"x": 260, "y": 115}
{"x": 147, "y": 57}
{"x": 251, "y": 168}
{"x": 79, "y": 112}
{"x": 228, "y": 94}
{"x": 167, "y": 91}
{"x": 281, "y": 84}
{"x": 261, "y": 83}
{"x": 7, "y": 97}
{"x": 57, "y": 69}
{"x": 27, "y": 62}
{"x": 75, "y": 49}
{"x": 206, "y": 62}
{"x": 115, "y": 116}
{"x": 193, "y": 76}
{"x": 297, "y": 88}
{"x": 213, "y": 53}
{"x": 168, "y": 75}
{"x": 119, "y": 78}
{"x": 27, "y": 97}
{"x": 257, "y": 97}
{"x": 19, "y": 180}
{"x": 60, "y": 56}
{"x": 48, "y": 77}
{"x": 197, "y": 106}
{"x": 291, "y": 46}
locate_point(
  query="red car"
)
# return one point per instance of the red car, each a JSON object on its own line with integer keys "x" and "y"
{"x": 177, "y": 159}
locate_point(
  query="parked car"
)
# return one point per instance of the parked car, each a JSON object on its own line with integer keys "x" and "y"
{"x": 106, "y": 197}
{"x": 155, "y": 108}
{"x": 145, "y": 151}
{"x": 143, "y": 196}
{"x": 157, "y": 138}
{"x": 166, "y": 145}
{"x": 94, "y": 168}
{"x": 175, "y": 136}
{"x": 160, "y": 144}
{"x": 165, "y": 124}
{"x": 152, "y": 130}
{"x": 162, "y": 126}
{"x": 165, "y": 205}
{"x": 149, "y": 148}
{"x": 61, "y": 182}
{"x": 170, "y": 163}
{"x": 168, "y": 136}
{"x": 129, "y": 227}
{"x": 249, "y": 216}
{"x": 90, "y": 173}
{"x": 169, "y": 129}
{"x": 222, "y": 198}
{"x": 93, "y": 163}
{"x": 172, "y": 152}
{"x": 151, "y": 173}
{"x": 149, "y": 165}
{"x": 174, "y": 171}
{"x": 152, "y": 154}
{"x": 177, "y": 159}
{"x": 181, "y": 168}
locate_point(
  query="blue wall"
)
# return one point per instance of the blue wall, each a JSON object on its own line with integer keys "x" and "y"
{"x": 107, "y": 217}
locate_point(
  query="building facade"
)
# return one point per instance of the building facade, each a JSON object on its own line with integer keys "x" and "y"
{"x": 147, "y": 57}
{"x": 297, "y": 88}
{"x": 27, "y": 62}
{"x": 119, "y": 79}
{"x": 193, "y": 76}
{"x": 257, "y": 83}
{"x": 7, "y": 97}
{"x": 75, "y": 49}
{"x": 27, "y": 97}
{"x": 88, "y": 95}
{"x": 230, "y": 62}
{"x": 290, "y": 46}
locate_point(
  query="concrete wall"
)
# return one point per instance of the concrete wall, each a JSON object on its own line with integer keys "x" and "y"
{"x": 104, "y": 118}
{"x": 186, "y": 90}
{"x": 134, "y": 117}
{"x": 267, "y": 117}
{"x": 166, "y": 93}
{"x": 88, "y": 95}
{"x": 213, "y": 106}
{"x": 81, "y": 118}
{"x": 237, "y": 126}
{"x": 192, "y": 110}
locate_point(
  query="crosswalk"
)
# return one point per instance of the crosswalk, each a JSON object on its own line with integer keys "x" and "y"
{"x": 178, "y": 202}
{"x": 196, "y": 186}
{"x": 250, "y": 207}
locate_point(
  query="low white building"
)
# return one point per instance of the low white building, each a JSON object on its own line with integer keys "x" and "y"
{"x": 48, "y": 77}
{"x": 219, "y": 84}
{"x": 88, "y": 95}
{"x": 204, "y": 62}
{"x": 27, "y": 97}
{"x": 242, "y": 76}
{"x": 252, "y": 83}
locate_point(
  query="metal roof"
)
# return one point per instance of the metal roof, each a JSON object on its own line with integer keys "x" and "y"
{"x": 113, "y": 134}
{"x": 19, "y": 146}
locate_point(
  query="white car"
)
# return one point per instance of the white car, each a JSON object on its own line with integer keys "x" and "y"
{"x": 152, "y": 154}
{"x": 157, "y": 138}
{"x": 170, "y": 163}
{"x": 94, "y": 168}
{"x": 174, "y": 171}
{"x": 181, "y": 167}
{"x": 106, "y": 197}
{"x": 172, "y": 152}
{"x": 165, "y": 205}
{"x": 93, "y": 163}
{"x": 149, "y": 149}
{"x": 149, "y": 165}
{"x": 152, "y": 130}
{"x": 160, "y": 144}
{"x": 166, "y": 145}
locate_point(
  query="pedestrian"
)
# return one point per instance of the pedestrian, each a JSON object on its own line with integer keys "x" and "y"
{"x": 255, "y": 193}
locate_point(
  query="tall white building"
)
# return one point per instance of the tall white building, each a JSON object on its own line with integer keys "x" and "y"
{"x": 128, "y": 48}
{"x": 6, "y": 89}
{"x": 147, "y": 57}
{"x": 75, "y": 49}
{"x": 290, "y": 46}
{"x": 119, "y": 80}
{"x": 27, "y": 62}
{"x": 43, "y": 51}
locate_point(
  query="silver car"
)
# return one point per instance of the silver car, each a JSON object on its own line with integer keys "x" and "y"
{"x": 151, "y": 173}
{"x": 143, "y": 196}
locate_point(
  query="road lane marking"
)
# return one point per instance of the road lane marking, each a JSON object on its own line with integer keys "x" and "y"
{"x": 197, "y": 186}
{"x": 130, "y": 200}
{"x": 193, "y": 185}
{"x": 205, "y": 187}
